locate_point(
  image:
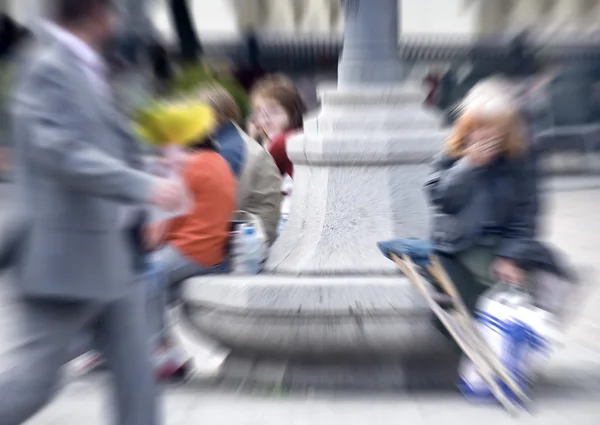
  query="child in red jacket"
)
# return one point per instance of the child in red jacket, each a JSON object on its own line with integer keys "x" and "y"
{"x": 277, "y": 113}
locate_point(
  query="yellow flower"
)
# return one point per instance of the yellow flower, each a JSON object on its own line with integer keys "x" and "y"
{"x": 182, "y": 123}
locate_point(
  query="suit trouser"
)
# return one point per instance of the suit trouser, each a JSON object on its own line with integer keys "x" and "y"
{"x": 45, "y": 331}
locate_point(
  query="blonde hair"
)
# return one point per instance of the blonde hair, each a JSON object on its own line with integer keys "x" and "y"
{"x": 489, "y": 103}
{"x": 283, "y": 90}
{"x": 222, "y": 102}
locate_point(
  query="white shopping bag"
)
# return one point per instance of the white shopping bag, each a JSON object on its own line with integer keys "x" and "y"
{"x": 241, "y": 219}
{"x": 520, "y": 334}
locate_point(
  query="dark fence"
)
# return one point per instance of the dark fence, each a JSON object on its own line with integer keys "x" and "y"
{"x": 308, "y": 53}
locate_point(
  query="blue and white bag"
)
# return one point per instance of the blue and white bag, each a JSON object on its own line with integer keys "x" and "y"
{"x": 520, "y": 334}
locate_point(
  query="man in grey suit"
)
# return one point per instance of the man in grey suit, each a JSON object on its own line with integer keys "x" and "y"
{"x": 82, "y": 192}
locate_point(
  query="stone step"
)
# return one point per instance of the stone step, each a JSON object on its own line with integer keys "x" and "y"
{"x": 271, "y": 293}
{"x": 373, "y": 96}
{"x": 384, "y": 121}
{"x": 287, "y": 315}
{"x": 375, "y": 148}
{"x": 297, "y": 376}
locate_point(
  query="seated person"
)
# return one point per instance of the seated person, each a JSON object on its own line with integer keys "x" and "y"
{"x": 259, "y": 181}
{"x": 483, "y": 188}
{"x": 277, "y": 113}
{"x": 182, "y": 247}
{"x": 193, "y": 244}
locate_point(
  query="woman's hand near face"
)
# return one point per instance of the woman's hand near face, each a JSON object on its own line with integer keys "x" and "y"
{"x": 481, "y": 153}
{"x": 506, "y": 270}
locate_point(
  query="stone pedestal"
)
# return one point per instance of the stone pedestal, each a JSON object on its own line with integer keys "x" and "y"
{"x": 360, "y": 166}
{"x": 359, "y": 170}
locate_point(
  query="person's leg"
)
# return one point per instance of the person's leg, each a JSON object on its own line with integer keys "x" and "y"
{"x": 466, "y": 285}
{"x": 479, "y": 261}
{"x": 470, "y": 285}
{"x": 122, "y": 337}
{"x": 167, "y": 270}
{"x": 31, "y": 368}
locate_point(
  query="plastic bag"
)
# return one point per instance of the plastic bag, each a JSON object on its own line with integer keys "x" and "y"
{"x": 237, "y": 254}
{"x": 520, "y": 334}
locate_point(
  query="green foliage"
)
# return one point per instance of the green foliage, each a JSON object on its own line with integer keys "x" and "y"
{"x": 192, "y": 78}
{"x": 6, "y": 86}
{"x": 6, "y": 74}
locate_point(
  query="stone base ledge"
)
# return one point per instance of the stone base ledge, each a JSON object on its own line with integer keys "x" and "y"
{"x": 331, "y": 94}
{"x": 274, "y": 315}
{"x": 314, "y": 295}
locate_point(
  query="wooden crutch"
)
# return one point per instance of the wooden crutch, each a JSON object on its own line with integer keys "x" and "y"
{"x": 459, "y": 335}
{"x": 438, "y": 272}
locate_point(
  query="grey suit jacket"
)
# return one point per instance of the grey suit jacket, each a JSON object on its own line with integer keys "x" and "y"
{"x": 75, "y": 173}
{"x": 13, "y": 233}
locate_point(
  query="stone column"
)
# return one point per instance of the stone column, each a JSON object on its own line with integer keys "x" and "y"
{"x": 370, "y": 54}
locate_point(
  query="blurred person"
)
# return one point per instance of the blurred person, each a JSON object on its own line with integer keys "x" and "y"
{"x": 190, "y": 245}
{"x": 259, "y": 190}
{"x": 81, "y": 191}
{"x": 277, "y": 112}
{"x": 278, "y": 109}
{"x": 485, "y": 194}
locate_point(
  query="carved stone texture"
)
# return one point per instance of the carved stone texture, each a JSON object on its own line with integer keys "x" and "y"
{"x": 359, "y": 170}
{"x": 275, "y": 315}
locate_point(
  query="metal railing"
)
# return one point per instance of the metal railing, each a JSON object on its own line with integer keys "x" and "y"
{"x": 289, "y": 52}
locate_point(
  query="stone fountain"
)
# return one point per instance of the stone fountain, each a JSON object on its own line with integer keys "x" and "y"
{"x": 359, "y": 170}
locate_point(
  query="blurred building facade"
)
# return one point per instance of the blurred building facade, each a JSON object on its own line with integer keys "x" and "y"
{"x": 468, "y": 18}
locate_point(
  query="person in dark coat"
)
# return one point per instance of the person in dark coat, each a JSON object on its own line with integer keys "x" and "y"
{"x": 484, "y": 191}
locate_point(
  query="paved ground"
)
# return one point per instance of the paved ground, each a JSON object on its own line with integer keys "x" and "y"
{"x": 569, "y": 393}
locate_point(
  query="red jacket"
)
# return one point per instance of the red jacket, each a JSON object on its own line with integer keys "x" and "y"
{"x": 278, "y": 150}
